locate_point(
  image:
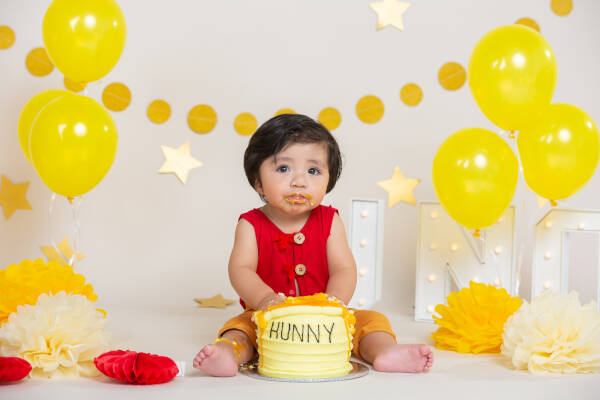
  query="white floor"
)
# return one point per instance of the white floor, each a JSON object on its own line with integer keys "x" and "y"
{"x": 180, "y": 333}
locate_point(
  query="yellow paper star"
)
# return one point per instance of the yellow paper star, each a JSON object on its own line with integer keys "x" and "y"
{"x": 216, "y": 301}
{"x": 389, "y": 12}
{"x": 62, "y": 253}
{"x": 399, "y": 188}
{"x": 12, "y": 196}
{"x": 179, "y": 162}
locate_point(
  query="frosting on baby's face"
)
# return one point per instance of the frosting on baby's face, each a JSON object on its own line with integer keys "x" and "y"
{"x": 295, "y": 180}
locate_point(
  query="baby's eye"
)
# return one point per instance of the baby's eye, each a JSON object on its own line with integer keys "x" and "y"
{"x": 283, "y": 168}
{"x": 314, "y": 171}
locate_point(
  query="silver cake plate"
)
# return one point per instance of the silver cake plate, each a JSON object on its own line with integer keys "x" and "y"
{"x": 358, "y": 370}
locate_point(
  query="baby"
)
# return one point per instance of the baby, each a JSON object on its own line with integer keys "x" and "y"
{"x": 295, "y": 246}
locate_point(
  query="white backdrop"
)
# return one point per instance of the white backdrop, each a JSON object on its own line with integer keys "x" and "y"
{"x": 150, "y": 241}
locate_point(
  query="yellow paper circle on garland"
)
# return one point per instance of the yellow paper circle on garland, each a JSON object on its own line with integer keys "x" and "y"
{"x": 330, "y": 118}
{"x": 452, "y": 76}
{"x": 411, "y": 94}
{"x": 245, "y": 124}
{"x": 284, "y": 111}
{"x": 561, "y": 7}
{"x": 369, "y": 109}
{"x": 159, "y": 111}
{"x": 528, "y": 22}
{"x": 7, "y": 37}
{"x": 74, "y": 86}
{"x": 116, "y": 96}
{"x": 38, "y": 63}
{"x": 202, "y": 118}
{"x": 23, "y": 283}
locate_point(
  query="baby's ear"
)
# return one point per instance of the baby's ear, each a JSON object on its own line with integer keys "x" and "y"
{"x": 258, "y": 186}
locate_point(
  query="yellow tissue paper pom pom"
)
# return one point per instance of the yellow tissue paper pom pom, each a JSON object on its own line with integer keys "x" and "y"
{"x": 472, "y": 321}
{"x": 23, "y": 283}
{"x": 59, "y": 336}
{"x": 554, "y": 334}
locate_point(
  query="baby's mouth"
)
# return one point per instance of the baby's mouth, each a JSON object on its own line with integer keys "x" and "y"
{"x": 297, "y": 198}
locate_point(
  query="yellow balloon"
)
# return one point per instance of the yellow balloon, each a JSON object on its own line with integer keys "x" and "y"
{"x": 84, "y": 38}
{"x": 30, "y": 111}
{"x": 560, "y": 152}
{"x": 512, "y": 74}
{"x": 475, "y": 175}
{"x": 73, "y": 144}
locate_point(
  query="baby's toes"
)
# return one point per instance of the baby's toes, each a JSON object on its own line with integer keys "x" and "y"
{"x": 207, "y": 351}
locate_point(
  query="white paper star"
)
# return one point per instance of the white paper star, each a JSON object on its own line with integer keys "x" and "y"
{"x": 179, "y": 162}
{"x": 389, "y": 12}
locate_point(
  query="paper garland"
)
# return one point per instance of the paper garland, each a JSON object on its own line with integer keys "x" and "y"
{"x": 284, "y": 111}
{"x": 561, "y": 7}
{"x": 202, "y": 118}
{"x": 116, "y": 96}
{"x": 38, "y": 63}
{"x": 528, "y": 22}
{"x": 330, "y": 118}
{"x": 452, "y": 76}
{"x": 411, "y": 94}
{"x": 245, "y": 124}
{"x": 369, "y": 109}
{"x": 73, "y": 86}
{"x": 7, "y": 37}
{"x": 159, "y": 111}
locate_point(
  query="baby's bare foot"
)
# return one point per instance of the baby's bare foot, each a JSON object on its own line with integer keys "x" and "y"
{"x": 217, "y": 360}
{"x": 404, "y": 358}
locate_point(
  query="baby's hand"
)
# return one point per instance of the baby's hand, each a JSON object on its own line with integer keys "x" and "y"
{"x": 270, "y": 300}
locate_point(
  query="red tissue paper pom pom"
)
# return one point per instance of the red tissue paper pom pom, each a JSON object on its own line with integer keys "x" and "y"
{"x": 139, "y": 368}
{"x": 13, "y": 369}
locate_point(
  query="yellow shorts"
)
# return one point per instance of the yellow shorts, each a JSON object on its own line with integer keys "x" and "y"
{"x": 367, "y": 321}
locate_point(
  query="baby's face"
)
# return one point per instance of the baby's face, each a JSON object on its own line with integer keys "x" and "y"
{"x": 295, "y": 180}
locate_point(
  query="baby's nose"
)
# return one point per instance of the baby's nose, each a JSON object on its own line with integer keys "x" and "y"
{"x": 298, "y": 180}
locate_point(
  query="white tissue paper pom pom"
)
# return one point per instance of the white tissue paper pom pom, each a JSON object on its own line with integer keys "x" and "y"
{"x": 554, "y": 334}
{"x": 59, "y": 336}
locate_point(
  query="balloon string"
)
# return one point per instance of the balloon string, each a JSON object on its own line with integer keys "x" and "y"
{"x": 75, "y": 208}
{"x": 522, "y": 193}
{"x": 50, "y": 212}
{"x": 76, "y": 230}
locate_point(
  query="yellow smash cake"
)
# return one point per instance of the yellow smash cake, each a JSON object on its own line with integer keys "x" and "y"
{"x": 305, "y": 337}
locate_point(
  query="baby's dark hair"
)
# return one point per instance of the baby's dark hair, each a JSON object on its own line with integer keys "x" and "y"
{"x": 272, "y": 136}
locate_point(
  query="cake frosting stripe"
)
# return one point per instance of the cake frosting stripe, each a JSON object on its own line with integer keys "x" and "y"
{"x": 305, "y": 337}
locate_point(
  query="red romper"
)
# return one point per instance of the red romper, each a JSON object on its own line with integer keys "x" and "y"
{"x": 286, "y": 258}
{"x": 302, "y": 256}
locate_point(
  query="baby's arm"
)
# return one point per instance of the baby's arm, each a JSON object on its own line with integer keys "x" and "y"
{"x": 342, "y": 268}
{"x": 242, "y": 269}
